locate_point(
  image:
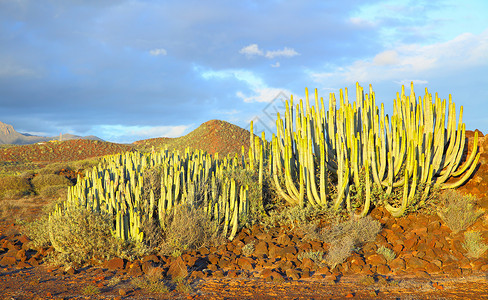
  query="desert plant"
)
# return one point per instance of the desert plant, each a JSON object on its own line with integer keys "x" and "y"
{"x": 80, "y": 235}
{"x": 248, "y": 249}
{"x": 43, "y": 181}
{"x": 347, "y": 236}
{"x": 387, "y": 253}
{"x": 188, "y": 228}
{"x": 474, "y": 245}
{"x": 152, "y": 283}
{"x": 91, "y": 290}
{"x": 316, "y": 256}
{"x": 14, "y": 187}
{"x": 458, "y": 210}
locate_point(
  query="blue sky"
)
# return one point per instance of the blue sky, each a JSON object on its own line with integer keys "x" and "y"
{"x": 130, "y": 70}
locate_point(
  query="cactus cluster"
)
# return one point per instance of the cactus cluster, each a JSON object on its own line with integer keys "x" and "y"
{"x": 196, "y": 179}
{"x": 413, "y": 148}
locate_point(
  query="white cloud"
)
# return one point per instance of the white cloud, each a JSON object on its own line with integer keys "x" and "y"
{"x": 157, "y": 52}
{"x": 389, "y": 57}
{"x": 253, "y": 50}
{"x": 276, "y": 65}
{"x": 413, "y": 61}
{"x": 286, "y": 52}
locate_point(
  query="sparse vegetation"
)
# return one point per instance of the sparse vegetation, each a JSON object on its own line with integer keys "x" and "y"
{"x": 248, "y": 249}
{"x": 458, "y": 211}
{"x": 346, "y": 236}
{"x": 91, "y": 290}
{"x": 387, "y": 253}
{"x": 316, "y": 256}
{"x": 81, "y": 235}
{"x": 14, "y": 187}
{"x": 187, "y": 229}
{"x": 474, "y": 245}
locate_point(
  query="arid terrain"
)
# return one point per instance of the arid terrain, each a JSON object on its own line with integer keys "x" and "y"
{"x": 424, "y": 259}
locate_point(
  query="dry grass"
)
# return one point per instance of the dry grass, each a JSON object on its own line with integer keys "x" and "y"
{"x": 458, "y": 211}
{"x": 188, "y": 229}
{"x": 346, "y": 236}
{"x": 474, "y": 245}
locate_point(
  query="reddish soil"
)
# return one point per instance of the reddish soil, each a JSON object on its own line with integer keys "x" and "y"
{"x": 430, "y": 263}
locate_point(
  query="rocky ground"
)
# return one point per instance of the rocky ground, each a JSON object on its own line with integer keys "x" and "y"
{"x": 430, "y": 263}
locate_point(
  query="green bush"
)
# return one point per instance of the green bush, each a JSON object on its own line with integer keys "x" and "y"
{"x": 43, "y": 181}
{"x": 14, "y": 187}
{"x": 458, "y": 211}
{"x": 81, "y": 235}
{"x": 387, "y": 253}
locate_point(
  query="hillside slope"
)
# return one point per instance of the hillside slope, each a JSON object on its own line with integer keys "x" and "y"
{"x": 212, "y": 136}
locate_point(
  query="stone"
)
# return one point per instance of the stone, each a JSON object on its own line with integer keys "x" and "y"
{"x": 213, "y": 259}
{"x": 115, "y": 264}
{"x": 8, "y": 261}
{"x": 154, "y": 258}
{"x": 382, "y": 269}
{"x": 284, "y": 239}
{"x": 397, "y": 264}
{"x": 376, "y": 259}
{"x": 245, "y": 263}
{"x": 432, "y": 268}
{"x": 232, "y": 273}
{"x": 178, "y": 269}
{"x": 415, "y": 263}
{"x": 261, "y": 249}
{"x": 33, "y": 262}
{"x": 293, "y": 274}
{"x": 23, "y": 265}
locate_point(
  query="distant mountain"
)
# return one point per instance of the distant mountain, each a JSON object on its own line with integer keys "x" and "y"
{"x": 8, "y": 135}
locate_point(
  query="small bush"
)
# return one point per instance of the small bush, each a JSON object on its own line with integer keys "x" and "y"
{"x": 316, "y": 256}
{"x": 387, "y": 253}
{"x": 43, "y": 181}
{"x": 90, "y": 290}
{"x": 458, "y": 211}
{"x": 81, "y": 235}
{"x": 346, "y": 236}
{"x": 14, "y": 187}
{"x": 473, "y": 243}
{"x": 187, "y": 229}
{"x": 150, "y": 283}
{"x": 248, "y": 249}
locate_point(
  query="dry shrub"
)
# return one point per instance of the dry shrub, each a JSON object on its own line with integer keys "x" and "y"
{"x": 81, "y": 235}
{"x": 346, "y": 236}
{"x": 187, "y": 229}
{"x": 474, "y": 245}
{"x": 14, "y": 187}
{"x": 42, "y": 181}
{"x": 458, "y": 211}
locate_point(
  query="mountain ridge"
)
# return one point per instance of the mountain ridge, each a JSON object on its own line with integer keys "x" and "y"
{"x": 8, "y": 135}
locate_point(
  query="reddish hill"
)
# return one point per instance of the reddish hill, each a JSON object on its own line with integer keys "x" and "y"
{"x": 212, "y": 136}
{"x": 54, "y": 151}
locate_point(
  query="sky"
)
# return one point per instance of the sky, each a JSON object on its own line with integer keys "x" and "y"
{"x": 130, "y": 70}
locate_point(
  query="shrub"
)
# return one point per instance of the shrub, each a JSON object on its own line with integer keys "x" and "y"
{"x": 316, "y": 256}
{"x": 14, "y": 187}
{"x": 346, "y": 236}
{"x": 458, "y": 210}
{"x": 248, "y": 249}
{"x": 473, "y": 243}
{"x": 187, "y": 229}
{"x": 387, "y": 253}
{"x": 90, "y": 290}
{"x": 81, "y": 235}
{"x": 43, "y": 181}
